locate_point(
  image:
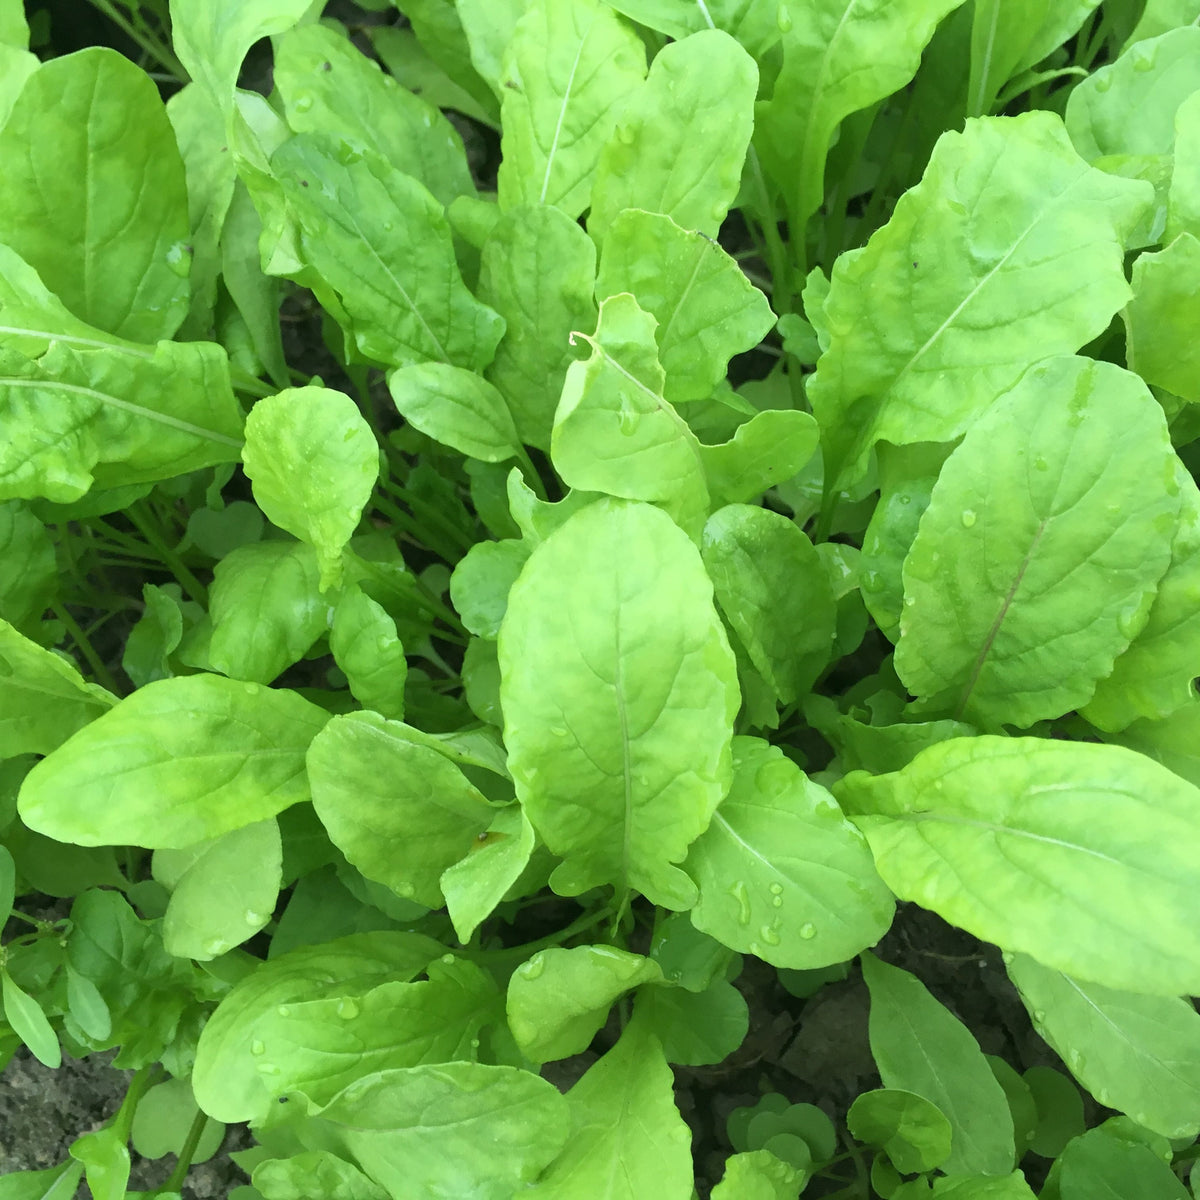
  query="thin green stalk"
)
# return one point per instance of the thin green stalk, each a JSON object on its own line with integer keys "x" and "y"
{"x": 190, "y": 584}
{"x": 422, "y": 509}
{"x": 243, "y": 381}
{"x": 148, "y": 42}
{"x": 532, "y": 477}
{"x": 94, "y": 661}
{"x": 776, "y": 252}
{"x": 579, "y": 925}
{"x": 187, "y": 1152}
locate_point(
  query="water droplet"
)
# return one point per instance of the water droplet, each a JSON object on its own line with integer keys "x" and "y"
{"x": 784, "y": 20}
{"x": 1129, "y": 623}
{"x": 909, "y": 601}
{"x": 776, "y": 889}
{"x": 284, "y": 1010}
{"x": 179, "y": 258}
{"x": 742, "y": 896}
{"x": 268, "y": 1069}
{"x": 872, "y": 581}
{"x": 968, "y": 518}
{"x": 303, "y": 104}
{"x": 1041, "y": 464}
{"x": 474, "y": 1043}
{"x": 559, "y": 731}
{"x": 808, "y": 931}
{"x": 1039, "y": 1015}
{"x": 1142, "y": 60}
{"x": 347, "y": 1009}
{"x": 404, "y": 889}
{"x": 256, "y": 1047}
{"x": 1007, "y": 956}
{"x": 769, "y": 935}
{"x": 776, "y": 901}
{"x": 1101, "y": 83}
{"x": 534, "y": 967}
{"x": 215, "y": 947}
{"x": 625, "y": 135}
{"x": 904, "y": 499}
{"x": 257, "y": 919}
{"x": 627, "y": 421}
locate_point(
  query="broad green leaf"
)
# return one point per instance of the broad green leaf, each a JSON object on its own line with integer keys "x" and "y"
{"x": 626, "y": 1140}
{"x": 57, "y": 1183}
{"x": 1159, "y": 16}
{"x": 1006, "y": 275}
{"x": 156, "y": 635}
{"x": 379, "y": 240}
{"x": 444, "y": 43}
{"x": 775, "y": 593}
{"x": 475, "y": 884}
{"x": 982, "y": 1187}
{"x": 161, "y": 1123}
{"x": 568, "y": 71}
{"x": 696, "y": 1028}
{"x": 457, "y": 408}
{"x": 538, "y": 271}
{"x": 1059, "y": 1107}
{"x": 758, "y": 1175}
{"x": 919, "y": 1046}
{"x": 1008, "y": 38}
{"x": 912, "y": 1130}
{"x": 226, "y": 1081}
{"x": 688, "y": 957}
{"x": 400, "y": 812}
{"x": 227, "y": 895}
{"x": 782, "y": 874}
{"x": 1153, "y": 677}
{"x": 112, "y": 415}
{"x": 489, "y": 26}
{"x": 538, "y": 519}
{"x": 843, "y": 56}
{"x": 1173, "y": 741}
{"x": 481, "y": 582}
{"x": 44, "y": 699}
{"x": 174, "y": 763}
{"x": 94, "y": 195}
{"x": 313, "y": 1175}
{"x": 1099, "y": 1166}
{"x": 408, "y": 60}
{"x": 211, "y": 37}
{"x": 88, "y": 1008}
{"x": 755, "y": 23}
{"x": 615, "y": 433}
{"x": 460, "y": 1129}
{"x": 617, "y": 724}
{"x": 1183, "y": 195}
{"x": 680, "y": 141}
{"x": 707, "y": 310}
{"x": 318, "y": 1047}
{"x": 14, "y": 27}
{"x": 312, "y": 460}
{"x": 1138, "y": 1054}
{"x": 558, "y": 1000}
{"x": 368, "y": 651}
{"x": 267, "y": 610}
{"x": 1044, "y": 540}
{"x": 327, "y": 84}
{"x": 1024, "y": 842}
{"x": 1160, "y": 320}
{"x": 105, "y": 1158}
{"x": 770, "y": 448}
{"x": 29, "y": 1022}
{"x": 16, "y": 66}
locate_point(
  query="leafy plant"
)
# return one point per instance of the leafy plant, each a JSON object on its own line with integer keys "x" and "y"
{"x": 526, "y": 563}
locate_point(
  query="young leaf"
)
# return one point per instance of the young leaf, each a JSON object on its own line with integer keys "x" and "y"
{"x": 680, "y": 141}
{"x": 481, "y": 582}
{"x": 88, "y": 1008}
{"x": 769, "y": 448}
{"x": 1024, "y": 842}
{"x": 615, "y": 433}
{"x": 758, "y": 1175}
{"x": 1183, "y": 196}
{"x": 775, "y": 593}
{"x": 696, "y": 1029}
{"x": 154, "y": 637}
{"x": 44, "y": 699}
{"x": 105, "y": 1158}
{"x": 626, "y": 1139}
{"x": 1005, "y": 275}
{"x": 400, "y": 812}
{"x": 921, "y": 1047}
{"x": 782, "y": 874}
{"x": 444, "y": 44}
{"x": 538, "y": 271}
{"x": 1101, "y": 1166}
{"x": 558, "y": 1000}
{"x": 312, "y": 460}
{"x": 618, "y": 738}
{"x": 755, "y": 23}
{"x": 29, "y": 1022}
{"x": 57, "y": 1183}
{"x": 488, "y": 26}
{"x": 368, "y": 650}
{"x": 475, "y": 884}
{"x": 1139, "y": 1054}
{"x": 1161, "y": 317}
{"x": 569, "y": 68}
{"x": 174, "y": 763}
{"x": 313, "y": 1175}
{"x": 707, "y": 310}
{"x": 94, "y": 195}
{"x": 8, "y": 883}
{"x": 912, "y": 1130}
{"x": 1173, "y": 741}
{"x": 161, "y": 1123}
{"x": 1044, "y": 538}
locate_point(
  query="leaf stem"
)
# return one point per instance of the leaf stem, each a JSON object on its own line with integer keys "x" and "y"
{"x": 146, "y": 40}
{"x": 187, "y": 1151}
{"x": 190, "y": 584}
{"x": 94, "y": 661}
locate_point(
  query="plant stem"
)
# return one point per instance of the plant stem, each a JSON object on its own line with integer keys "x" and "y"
{"x": 148, "y": 42}
{"x": 101, "y": 672}
{"x": 175, "y": 1180}
{"x": 777, "y": 256}
{"x": 190, "y": 584}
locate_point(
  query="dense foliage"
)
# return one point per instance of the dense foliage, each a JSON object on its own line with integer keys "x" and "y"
{"x": 516, "y": 560}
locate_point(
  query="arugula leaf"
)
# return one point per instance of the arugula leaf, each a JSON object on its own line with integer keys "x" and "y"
{"x": 758, "y": 1175}
{"x": 313, "y": 1175}
{"x": 912, "y": 1130}
{"x": 365, "y": 645}
{"x": 757, "y": 24}
{"x": 476, "y": 884}
{"x": 1160, "y": 315}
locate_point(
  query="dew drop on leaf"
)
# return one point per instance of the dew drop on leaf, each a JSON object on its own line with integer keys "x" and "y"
{"x": 742, "y": 896}
{"x": 303, "y": 104}
{"x": 808, "y": 931}
{"x": 257, "y": 1047}
{"x": 534, "y": 967}
{"x": 777, "y": 901}
{"x": 347, "y": 1009}
{"x": 769, "y": 935}
{"x": 968, "y": 518}
{"x": 776, "y": 889}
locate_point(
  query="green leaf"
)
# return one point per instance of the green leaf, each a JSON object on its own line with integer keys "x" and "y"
{"x": 174, "y": 763}
{"x": 105, "y": 1159}
{"x": 1161, "y": 317}
{"x": 680, "y": 141}
{"x": 94, "y": 195}
{"x": 319, "y": 1047}
{"x": 1099, "y": 1166}
{"x": 29, "y": 576}
{"x": 44, "y": 699}
{"x": 1138, "y": 1054}
{"x": 164, "y": 1117}
{"x": 1006, "y": 275}
{"x": 58, "y": 1183}
{"x": 758, "y": 1175}
{"x": 707, "y": 310}
{"x": 112, "y": 415}
{"x": 842, "y": 57}
{"x": 615, "y": 433}
{"x": 626, "y": 1140}
{"x": 688, "y": 957}
{"x": 368, "y": 650}
{"x": 782, "y": 874}
{"x": 314, "y": 1175}
{"x": 380, "y": 241}
{"x": 154, "y": 637}
{"x": 696, "y": 1028}
{"x": 327, "y": 84}
{"x": 912, "y": 1131}
{"x": 538, "y": 271}
{"x": 1173, "y": 741}
{"x": 400, "y": 812}
{"x": 313, "y": 461}
{"x": 14, "y": 27}
{"x": 412, "y": 64}
{"x": 481, "y": 582}
{"x": 226, "y": 895}
{"x": 460, "y": 1129}
{"x": 1183, "y": 207}
{"x": 1059, "y": 1108}
{"x": 1025, "y": 842}
{"x": 568, "y": 70}
{"x": 87, "y": 1006}
{"x": 455, "y": 407}
{"x": 267, "y": 610}
{"x": 1047, "y": 526}
{"x": 8, "y": 883}
{"x": 488, "y": 26}
{"x": 769, "y": 448}
{"x": 920, "y": 1047}
{"x": 29, "y": 1022}
{"x": 16, "y": 66}
{"x": 755, "y": 23}
{"x": 982, "y": 1187}
{"x": 559, "y": 999}
{"x": 618, "y": 738}
{"x": 775, "y": 593}
{"x": 226, "y": 1082}
{"x": 476, "y": 884}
